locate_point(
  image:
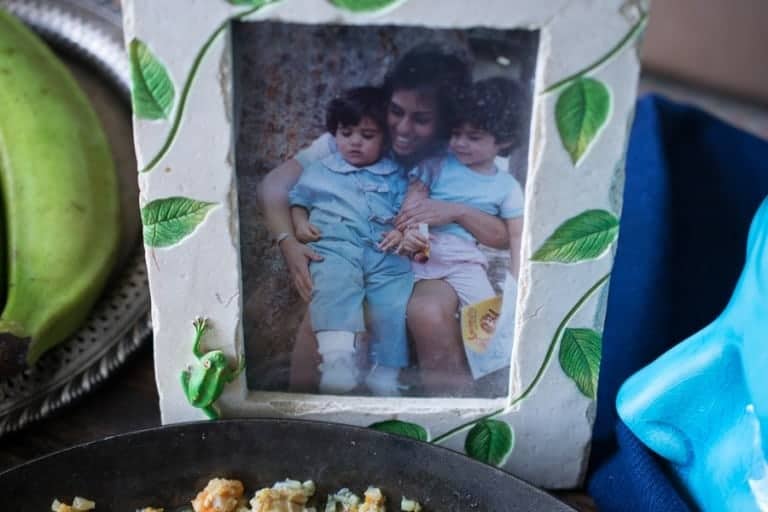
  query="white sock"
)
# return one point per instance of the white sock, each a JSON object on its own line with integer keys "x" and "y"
{"x": 335, "y": 341}
{"x": 384, "y": 381}
{"x": 385, "y": 373}
{"x": 338, "y": 372}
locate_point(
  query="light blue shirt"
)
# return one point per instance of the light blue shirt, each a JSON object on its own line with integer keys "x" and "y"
{"x": 348, "y": 202}
{"x": 497, "y": 194}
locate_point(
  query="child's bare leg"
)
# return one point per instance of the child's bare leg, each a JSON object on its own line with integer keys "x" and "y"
{"x": 436, "y": 335}
{"x": 337, "y": 314}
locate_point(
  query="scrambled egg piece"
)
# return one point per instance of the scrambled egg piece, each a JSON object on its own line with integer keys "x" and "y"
{"x": 85, "y": 505}
{"x": 288, "y": 496}
{"x": 374, "y": 501}
{"x": 78, "y": 505}
{"x": 220, "y": 495}
{"x": 407, "y": 505}
{"x": 350, "y": 502}
{"x": 346, "y": 499}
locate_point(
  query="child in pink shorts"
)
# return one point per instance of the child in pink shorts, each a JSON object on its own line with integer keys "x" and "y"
{"x": 469, "y": 175}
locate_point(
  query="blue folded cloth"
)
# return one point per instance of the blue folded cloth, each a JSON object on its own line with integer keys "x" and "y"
{"x": 693, "y": 184}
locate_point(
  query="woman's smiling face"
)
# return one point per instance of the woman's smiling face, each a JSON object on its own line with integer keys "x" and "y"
{"x": 413, "y": 119}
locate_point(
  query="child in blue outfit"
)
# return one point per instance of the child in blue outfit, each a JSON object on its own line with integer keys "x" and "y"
{"x": 469, "y": 175}
{"x": 343, "y": 206}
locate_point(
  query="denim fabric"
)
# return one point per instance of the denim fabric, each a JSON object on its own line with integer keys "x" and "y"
{"x": 351, "y": 274}
{"x": 353, "y": 208}
{"x": 349, "y": 203}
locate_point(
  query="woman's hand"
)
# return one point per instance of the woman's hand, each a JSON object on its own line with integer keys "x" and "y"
{"x": 297, "y": 258}
{"x": 391, "y": 241}
{"x": 306, "y": 232}
{"x": 414, "y": 241}
{"x": 427, "y": 211}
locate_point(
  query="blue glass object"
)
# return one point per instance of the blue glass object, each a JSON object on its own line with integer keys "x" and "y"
{"x": 703, "y": 405}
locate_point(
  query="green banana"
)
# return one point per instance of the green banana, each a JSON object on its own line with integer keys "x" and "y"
{"x": 60, "y": 199}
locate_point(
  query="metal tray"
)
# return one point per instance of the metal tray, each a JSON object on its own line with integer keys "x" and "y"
{"x": 166, "y": 466}
{"x": 88, "y": 36}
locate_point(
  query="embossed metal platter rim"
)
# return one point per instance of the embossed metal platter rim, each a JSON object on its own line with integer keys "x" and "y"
{"x": 120, "y": 322}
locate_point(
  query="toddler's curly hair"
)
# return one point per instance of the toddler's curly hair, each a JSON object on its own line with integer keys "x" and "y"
{"x": 353, "y": 105}
{"x": 494, "y": 105}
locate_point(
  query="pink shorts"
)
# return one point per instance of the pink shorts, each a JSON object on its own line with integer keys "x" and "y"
{"x": 461, "y": 264}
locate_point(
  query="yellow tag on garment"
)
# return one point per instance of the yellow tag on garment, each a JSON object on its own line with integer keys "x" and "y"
{"x": 478, "y": 323}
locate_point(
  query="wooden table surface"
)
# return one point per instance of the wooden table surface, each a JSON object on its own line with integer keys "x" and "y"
{"x": 126, "y": 401}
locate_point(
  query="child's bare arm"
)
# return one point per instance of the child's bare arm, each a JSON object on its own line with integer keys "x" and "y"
{"x": 415, "y": 193}
{"x": 414, "y": 241}
{"x": 391, "y": 240}
{"x": 416, "y": 190}
{"x": 305, "y": 231}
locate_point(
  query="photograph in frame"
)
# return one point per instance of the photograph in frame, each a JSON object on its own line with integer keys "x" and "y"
{"x": 449, "y": 112}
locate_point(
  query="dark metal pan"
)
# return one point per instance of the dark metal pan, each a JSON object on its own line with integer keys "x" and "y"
{"x": 166, "y": 466}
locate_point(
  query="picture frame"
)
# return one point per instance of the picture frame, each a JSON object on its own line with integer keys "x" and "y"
{"x": 189, "y": 110}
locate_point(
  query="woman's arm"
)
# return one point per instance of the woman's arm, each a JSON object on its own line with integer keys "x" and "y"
{"x": 305, "y": 231}
{"x": 415, "y": 193}
{"x": 273, "y": 199}
{"x": 487, "y": 229}
{"x": 515, "y": 230}
{"x": 272, "y": 195}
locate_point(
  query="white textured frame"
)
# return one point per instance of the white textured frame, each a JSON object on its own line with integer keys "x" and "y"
{"x": 201, "y": 275}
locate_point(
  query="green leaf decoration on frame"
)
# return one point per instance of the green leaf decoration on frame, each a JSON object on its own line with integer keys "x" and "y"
{"x": 168, "y": 221}
{"x": 152, "y": 91}
{"x": 583, "y": 237}
{"x": 635, "y": 32}
{"x": 402, "y": 428}
{"x": 363, "y": 5}
{"x": 581, "y": 110}
{"x": 490, "y": 441}
{"x": 580, "y": 352}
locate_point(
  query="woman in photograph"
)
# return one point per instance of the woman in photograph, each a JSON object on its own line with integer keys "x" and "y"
{"x": 422, "y": 88}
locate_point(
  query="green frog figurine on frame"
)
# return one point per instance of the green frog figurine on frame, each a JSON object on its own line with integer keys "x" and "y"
{"x": 204, "y": 383}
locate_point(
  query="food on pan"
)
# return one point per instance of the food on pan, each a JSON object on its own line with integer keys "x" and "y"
{"x": 78, "y": 505}
{"x": 289, "y": 496}
{"x": 224, "y": 495}
{"x": 220, "y": 495}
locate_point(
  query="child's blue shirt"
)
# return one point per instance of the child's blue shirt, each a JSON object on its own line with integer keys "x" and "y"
{"x": 346, "y": 202}
{"x": 498, "y": 194}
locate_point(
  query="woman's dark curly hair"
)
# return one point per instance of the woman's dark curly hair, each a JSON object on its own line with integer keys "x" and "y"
{"x": 430, "y": 70}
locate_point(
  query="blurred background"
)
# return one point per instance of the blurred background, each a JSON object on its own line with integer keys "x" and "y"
{"x": 713, "y": 54}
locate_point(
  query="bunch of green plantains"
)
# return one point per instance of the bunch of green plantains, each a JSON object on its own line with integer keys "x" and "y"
{"x": 60, "y": 200}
